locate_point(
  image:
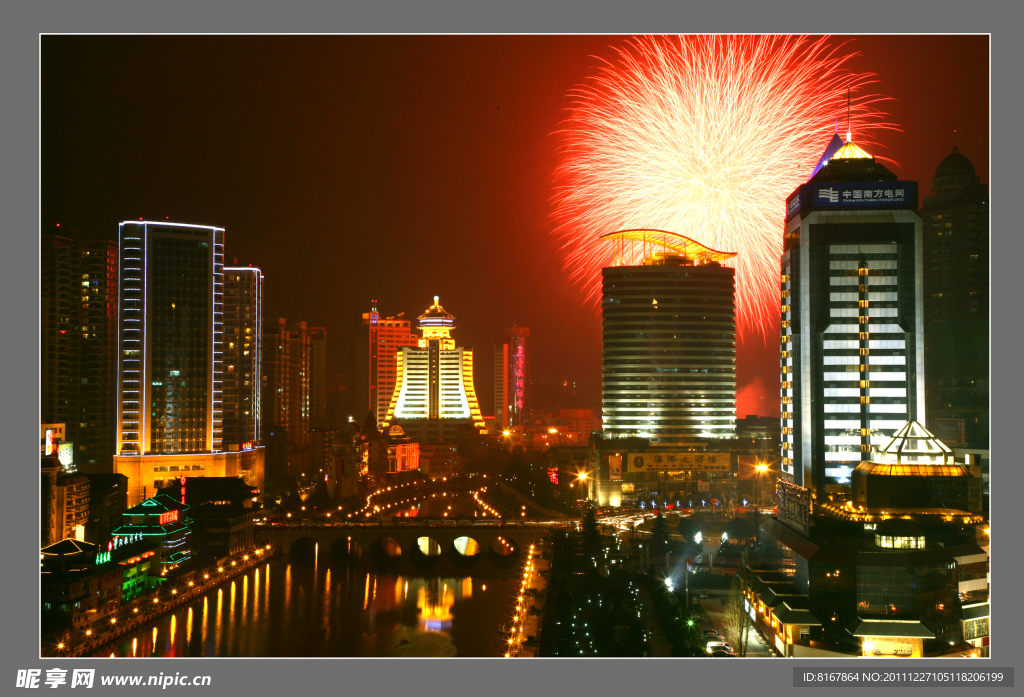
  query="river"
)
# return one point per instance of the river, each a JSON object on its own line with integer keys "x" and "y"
{"x": 285, "y": 608}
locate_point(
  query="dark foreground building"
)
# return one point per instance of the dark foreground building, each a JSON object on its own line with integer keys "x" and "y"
{"x": 956, "y": 312}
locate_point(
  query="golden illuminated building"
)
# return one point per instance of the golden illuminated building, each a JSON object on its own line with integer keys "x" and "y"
{"x": 434, "y": 381}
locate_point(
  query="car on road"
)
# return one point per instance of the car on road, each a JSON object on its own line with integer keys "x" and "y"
{"x": 722, "y": 653}
{"x": 702, "y": 595}
{"x": 718, "y": 645}
{"x": 711, "y": 634}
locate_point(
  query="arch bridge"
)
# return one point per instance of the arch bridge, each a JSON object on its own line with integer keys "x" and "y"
{"x": 440, "y": 548}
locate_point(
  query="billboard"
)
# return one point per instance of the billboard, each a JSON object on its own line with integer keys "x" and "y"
{"x": 66, "y": 453}
{"x": 49, "y": 435}
{"x": 852, "y": 196}
{"x": 615, "y": 468}
{"x": 679, "y": 461}
{"x": 950, "y": 431}
{"x": 794, "y": 502}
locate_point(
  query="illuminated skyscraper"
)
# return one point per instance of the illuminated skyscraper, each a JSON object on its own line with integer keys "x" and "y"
{"x": 170, "y": 369}
{"x": 243, "y": 346}
{"x": 170, "y": 339}
{"x": 852, "y": 344}
{"x": 434, "y": 382}
{"x": 669, "y": 339}
{"x": 385, "y": 336}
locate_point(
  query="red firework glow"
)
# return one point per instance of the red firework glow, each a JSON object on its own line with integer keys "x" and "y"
{"x": 704, "y": 136}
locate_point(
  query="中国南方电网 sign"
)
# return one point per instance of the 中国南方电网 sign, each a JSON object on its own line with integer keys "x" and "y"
{"x": 677, "y": 461}
{"x": 852, "y": 195}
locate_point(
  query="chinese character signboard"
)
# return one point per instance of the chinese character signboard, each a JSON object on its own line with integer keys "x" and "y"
{"x": 168, "y": 517}
{"x": 794, "y": 503}
{"x": 666, "y": 461}
{"x": 852, "y": 196}
{"x": 615, "y": 468}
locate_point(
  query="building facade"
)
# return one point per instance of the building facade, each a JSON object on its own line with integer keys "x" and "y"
{"x": 852, "y": 344}
{"x": 243, "y": 347}
{"x": 78, "y": 321}
{"x": 956, "y": 304}
{"x": 293, "y": 352}
{"x": 385, "y": 335}
{"x": 170, "y": 339}
{"x": 512, "y": 379}
{"x": 434, "y": 389}
{"x": 318, "y": 377}
{"x": 669, "y": 340}
{"x": 170, "y": 369}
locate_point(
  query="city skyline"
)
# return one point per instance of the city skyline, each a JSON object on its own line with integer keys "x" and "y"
{"x": 455, "y": 156}
{"x": 324, "y": 176}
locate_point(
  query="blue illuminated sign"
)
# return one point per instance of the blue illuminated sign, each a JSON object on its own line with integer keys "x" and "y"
{"x": 852, "y": 196}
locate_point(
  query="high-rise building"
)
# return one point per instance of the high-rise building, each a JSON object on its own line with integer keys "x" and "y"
{"x": 956, "y": 315}
{"x": 434, "y": 390}
{"x": 293, "y": 352}
{"x": 243, "y": 346}
{"x": 170, "y": 370}
{"x": 852, "y": 344}
{"x": 170, "y": 342}
{"x": 318, "y": 377}
{"x": 78, "y": 342}
{"x": 512, "y": 378}
{"x": 500, "y": 386}
{"x": 385, "y": 336}
{"x": 669, "y": 339}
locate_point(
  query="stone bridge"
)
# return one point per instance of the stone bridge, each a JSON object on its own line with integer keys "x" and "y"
{"x": 440, "y": 548}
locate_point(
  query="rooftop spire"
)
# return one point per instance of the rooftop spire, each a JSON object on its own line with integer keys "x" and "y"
{"x": 848, "y": 129}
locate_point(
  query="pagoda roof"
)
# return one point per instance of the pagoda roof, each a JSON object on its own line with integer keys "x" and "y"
{"x": 156, "y": 505}
{"x": 69, "y": 546}
{"x": 435, "y": 311}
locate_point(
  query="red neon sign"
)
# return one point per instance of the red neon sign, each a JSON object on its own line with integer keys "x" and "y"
{"x": 168, "y": 517}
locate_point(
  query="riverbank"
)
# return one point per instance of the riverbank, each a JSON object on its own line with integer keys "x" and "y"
{"x": 157, "y": 608}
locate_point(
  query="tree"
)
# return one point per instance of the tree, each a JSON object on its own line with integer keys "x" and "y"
{"x": 740, "y": 529}
{"x": 659, "y": 537}
{"x": 737, "y": 621}
{"x": 688, "y": 528}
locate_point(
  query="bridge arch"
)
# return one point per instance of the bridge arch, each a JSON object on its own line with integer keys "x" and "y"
{"x": 504, "y": 552}
{"x": 465, "y": 552}
{"x": 426, "y": 552}
{"x": 386, "y": 552}
{"x": 345, "y": 549}
{"x": 303, "y": 549}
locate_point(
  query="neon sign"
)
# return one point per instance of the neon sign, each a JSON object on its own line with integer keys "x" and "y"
{"x": 168, "y": 517}
{"x": 103, "y": 557}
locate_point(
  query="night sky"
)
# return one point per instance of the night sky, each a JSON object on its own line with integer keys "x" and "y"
{"x": 403, "y": 167}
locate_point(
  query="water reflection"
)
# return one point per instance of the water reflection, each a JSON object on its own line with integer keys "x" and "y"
{"x": 345, "y": 610}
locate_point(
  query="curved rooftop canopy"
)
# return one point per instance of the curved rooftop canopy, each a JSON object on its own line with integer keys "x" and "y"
{"x": 672, "y": 241}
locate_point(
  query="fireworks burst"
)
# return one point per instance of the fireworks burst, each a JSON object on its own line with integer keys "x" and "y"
{"x": 704, "y": 136}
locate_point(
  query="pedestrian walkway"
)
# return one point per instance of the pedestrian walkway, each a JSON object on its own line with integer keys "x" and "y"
{"x": 533, "y": 582}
